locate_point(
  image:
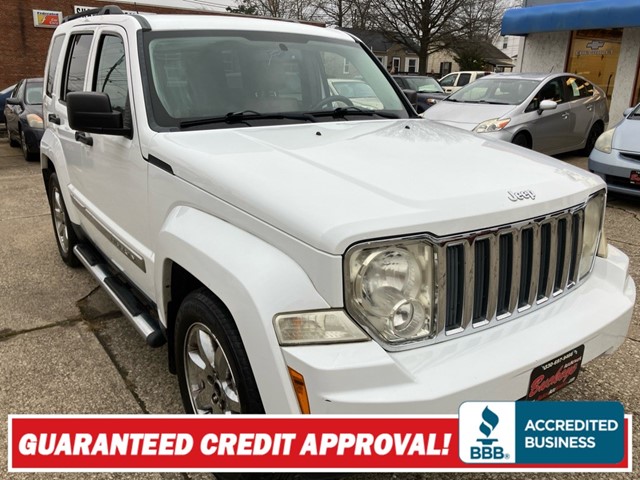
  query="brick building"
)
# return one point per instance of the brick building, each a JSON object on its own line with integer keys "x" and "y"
{"x": 26, "y": 28}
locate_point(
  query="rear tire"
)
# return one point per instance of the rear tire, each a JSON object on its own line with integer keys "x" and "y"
{"x": 65, "y": 235}
{"x": 522, "y": 140}
{"x": 12, "y": 142}
{"x": 594, "y": 133}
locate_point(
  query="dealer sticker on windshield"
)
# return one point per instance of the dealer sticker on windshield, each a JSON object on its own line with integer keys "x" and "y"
{"x": 554, "y": 375}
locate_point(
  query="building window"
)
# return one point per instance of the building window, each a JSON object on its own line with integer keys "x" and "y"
{"x": 445, "y": 68}
{"x": 594, "y": 55}
{"x": 412, "y": 65}
{"x": 395, "y": 65}
{"x": 505, "y": 43}
{"x": 345, "y": 67}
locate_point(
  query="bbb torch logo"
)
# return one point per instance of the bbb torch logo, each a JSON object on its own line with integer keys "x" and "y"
{"x": 487, "y": 432}
{"x": 487, "y": 451}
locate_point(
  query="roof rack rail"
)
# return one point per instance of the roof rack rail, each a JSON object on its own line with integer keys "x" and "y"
{"x": 106, "y": 10}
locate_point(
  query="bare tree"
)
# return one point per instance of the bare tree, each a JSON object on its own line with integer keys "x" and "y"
{"x": 480, "y": 19}
{"x": 421, "y": 26}
{"x": 289, "y": 9}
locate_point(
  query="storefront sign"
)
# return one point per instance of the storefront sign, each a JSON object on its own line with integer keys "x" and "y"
{"x": 46, "y": 18}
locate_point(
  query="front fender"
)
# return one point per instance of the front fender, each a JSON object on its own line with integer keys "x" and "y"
{"x": 51, "y": 151}
{"x": 252, "y": 278}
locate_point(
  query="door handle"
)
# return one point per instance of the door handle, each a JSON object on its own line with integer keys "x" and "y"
{"x": 590, "y": 108}
{"x": 84, "y": 138}
{"x": 565, "y": 115}
{"x": 53, "y": 118}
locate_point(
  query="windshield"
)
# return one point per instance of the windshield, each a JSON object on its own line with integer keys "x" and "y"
{"x": 33, "y": 93}
{"x": 424, "y": 84}
{"x": 277, "y": 77}
{"x": 496, "y": 90}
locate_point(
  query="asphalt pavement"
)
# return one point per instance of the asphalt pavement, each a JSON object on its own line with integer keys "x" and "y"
{"x": 65, "y": 348}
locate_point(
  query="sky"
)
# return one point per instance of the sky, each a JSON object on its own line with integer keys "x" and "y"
{"x": 218, "y": 5}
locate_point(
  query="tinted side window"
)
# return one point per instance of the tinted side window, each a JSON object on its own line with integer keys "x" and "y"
{"x": 111, "y": 73}
{"x": 464, "y": 79}
{"x": 448, "y": 81}
{"x": 584, "y": 88}
{"x": 54, "y": 55}
{"x": 76, "y": 63}
{"x": 552, "y": 90}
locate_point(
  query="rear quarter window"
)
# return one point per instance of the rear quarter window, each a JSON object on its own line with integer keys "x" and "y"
{"x": 54, "y": 56}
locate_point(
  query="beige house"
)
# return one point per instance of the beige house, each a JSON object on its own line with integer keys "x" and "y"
{"x": 399, "y": 59}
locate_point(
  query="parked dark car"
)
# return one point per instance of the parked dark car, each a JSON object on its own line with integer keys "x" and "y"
{"x": 4, "y": 94}
{"x": 23, "y": 112}
{"x": 429, "y": 90}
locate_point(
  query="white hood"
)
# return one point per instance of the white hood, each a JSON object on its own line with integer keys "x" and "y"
{"x": 627, "y": 136}
{"x": 333, "y": 184}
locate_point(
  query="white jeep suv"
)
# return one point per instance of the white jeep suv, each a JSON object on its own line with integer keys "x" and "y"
{"x": 300, "y": 253}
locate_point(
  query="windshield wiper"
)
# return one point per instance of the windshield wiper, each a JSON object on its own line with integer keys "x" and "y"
{"x": 342, "y": 112}
{"x": 244, "y": 116}
{"x": 492, "y": 103}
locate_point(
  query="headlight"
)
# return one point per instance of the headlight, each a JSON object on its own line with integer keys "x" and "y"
{"x": 605, "y": 141}
{"x": 34, "y": 121}
{"x": 331, "y": 326}
{"x": 390, "y": 290}
{"x": 593, "y": 217}
{"x": 493, "y": 125}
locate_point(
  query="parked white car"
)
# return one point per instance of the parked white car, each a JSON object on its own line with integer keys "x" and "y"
{"x": 301, "y": 254}
{"x": 455, "y": 81}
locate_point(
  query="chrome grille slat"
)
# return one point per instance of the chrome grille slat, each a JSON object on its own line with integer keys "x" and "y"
{"x": 535, "y": 266}
{"x": 578, "y": 219}
{"x": 496, "y": 275}
{"x": 441, "y": 275}
{"x": 561, "y": 285}
{"x": 553, "y": 255}
{"x": 492, "y": 301}
{"x": 516, "y": 260}
{"x": 469, "y": 280}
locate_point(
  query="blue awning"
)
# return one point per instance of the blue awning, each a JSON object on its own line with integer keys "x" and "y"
{"x": 572, "y": 16}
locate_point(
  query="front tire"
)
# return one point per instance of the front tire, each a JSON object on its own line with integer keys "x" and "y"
{"x": 66, "y": 237}
{"x": 521, "y": 140}
{"x": 213, "y": 368}
{"x": 28, "y": 156}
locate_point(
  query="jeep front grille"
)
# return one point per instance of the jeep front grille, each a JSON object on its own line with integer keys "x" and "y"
{"x": 487, "y": 277}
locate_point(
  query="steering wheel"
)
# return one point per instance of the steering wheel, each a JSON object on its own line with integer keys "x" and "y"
{"x": 330, "y": 99}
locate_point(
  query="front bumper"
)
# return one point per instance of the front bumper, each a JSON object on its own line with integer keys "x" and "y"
{"x": 495, "y": 364}
{"x": 615, "y": 169}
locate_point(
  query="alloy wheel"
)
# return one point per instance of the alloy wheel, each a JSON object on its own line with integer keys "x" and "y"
{"x": 60, "y": 220}
{"x": 212, "y": 386}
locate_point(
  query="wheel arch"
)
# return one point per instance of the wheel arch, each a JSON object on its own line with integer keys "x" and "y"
{"x": 527, "y": 135}
{"x": 252, "y": 280}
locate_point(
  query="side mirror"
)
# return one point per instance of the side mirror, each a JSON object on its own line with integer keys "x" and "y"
{"x": 547, "y": 105}
{"x": 12, "y": 101}
{"x": 412, "y": 95}
{"x": 91, "y": 112}
{"x": 628, "y": 111}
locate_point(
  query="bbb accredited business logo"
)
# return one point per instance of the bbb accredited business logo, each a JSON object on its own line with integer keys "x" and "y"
{"x": 487, "y": 432}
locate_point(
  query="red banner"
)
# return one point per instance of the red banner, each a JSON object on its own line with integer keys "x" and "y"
{"x": 236, "y": 443}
